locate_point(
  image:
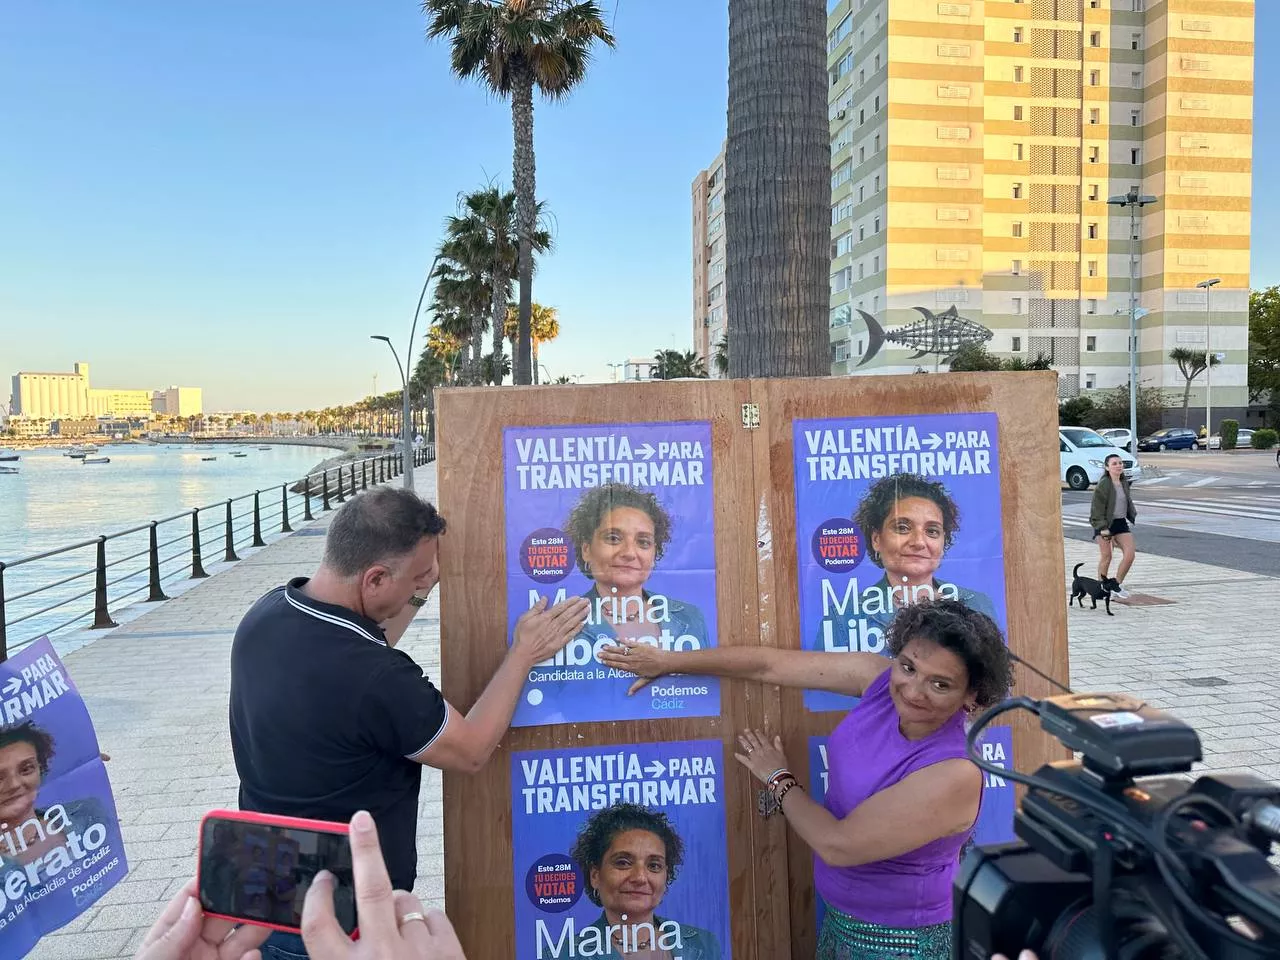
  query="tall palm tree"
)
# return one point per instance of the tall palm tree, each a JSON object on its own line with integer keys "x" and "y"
{"x": 778, "y": 188}
{"x": 513, "y": 46}
{"x": 721, "y": 356}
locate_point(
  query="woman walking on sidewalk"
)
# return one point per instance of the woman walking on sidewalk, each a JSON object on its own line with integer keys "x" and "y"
{"x": 1110, "y": 515}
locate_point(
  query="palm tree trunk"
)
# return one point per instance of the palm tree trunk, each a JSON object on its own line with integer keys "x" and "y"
{"x": 1186, "y": 399}
{"x": 524, "y": 178}
{"x": 498, "y": 319}
{"x": 778, "y": 189}
{"x": 534, "y": 353}
{"x": 477, "y": 348}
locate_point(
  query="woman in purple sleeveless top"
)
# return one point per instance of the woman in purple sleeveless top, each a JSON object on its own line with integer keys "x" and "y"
{"x": 902, "y": 798}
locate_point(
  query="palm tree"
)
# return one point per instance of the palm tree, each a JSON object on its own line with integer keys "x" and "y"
{"x": 490, "y": 222}
{"x": 721, "y": 357}
{"x": 1191, "y": 363}
{"x": 543, "y": 328}
{"x": 778, "y": 188}
{"x": 672, "y": 364}
{"x": 513, "y": 46}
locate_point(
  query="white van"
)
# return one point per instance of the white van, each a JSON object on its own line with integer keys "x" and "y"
{"x": 1082, "y": 455}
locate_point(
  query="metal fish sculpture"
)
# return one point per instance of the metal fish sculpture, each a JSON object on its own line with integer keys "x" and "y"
{"x": 942, "y": 333}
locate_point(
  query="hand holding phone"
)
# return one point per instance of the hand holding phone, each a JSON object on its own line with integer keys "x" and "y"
{"x": 183, "y": 932}
{"x": 256, "y": 868}
{"x": 394, "y": 925}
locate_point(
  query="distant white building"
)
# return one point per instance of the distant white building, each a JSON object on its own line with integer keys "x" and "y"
{"x": 178, "y": 402}
{"x": 69, "y": 396}
{"x": 641, "y": 368}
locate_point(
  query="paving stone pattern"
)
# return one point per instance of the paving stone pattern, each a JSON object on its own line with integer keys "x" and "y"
{"x": 157, "y": 690}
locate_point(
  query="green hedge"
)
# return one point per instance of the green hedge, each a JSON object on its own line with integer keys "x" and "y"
{"x": 1230, "y": 430}
{"x": 1264, "y": 439}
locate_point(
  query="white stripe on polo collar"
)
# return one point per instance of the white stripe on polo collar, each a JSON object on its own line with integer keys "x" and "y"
{"x": 331, "y": 618}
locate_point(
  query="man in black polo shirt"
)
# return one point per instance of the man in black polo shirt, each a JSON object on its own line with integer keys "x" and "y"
{"x": 328, "y": 718}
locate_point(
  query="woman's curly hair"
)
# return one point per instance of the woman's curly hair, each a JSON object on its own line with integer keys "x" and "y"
{"x": 28, "y": 732}
{"x": 600, "y": 830}
{"x": 877, "y": 504}
{"x": 585, "y": 518}
{"x": 970, "y": 635}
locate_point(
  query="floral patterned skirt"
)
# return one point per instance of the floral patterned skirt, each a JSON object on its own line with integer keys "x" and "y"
{"x": 845, "y": 938}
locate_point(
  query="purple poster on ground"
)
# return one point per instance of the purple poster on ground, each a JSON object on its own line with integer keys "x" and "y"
{"x": 621, "y": 514}
{"x": 620, "y": 850}
{"x": 891, "y": 510}
{"x": 995, "y": 817}
{"x": 60, "y": 847}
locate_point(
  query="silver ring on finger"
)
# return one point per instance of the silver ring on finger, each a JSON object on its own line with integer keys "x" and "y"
{"x": 410, "y": 917}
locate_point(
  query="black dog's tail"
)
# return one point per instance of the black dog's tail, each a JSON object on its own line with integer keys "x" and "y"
{"x": 1076, "y": 571}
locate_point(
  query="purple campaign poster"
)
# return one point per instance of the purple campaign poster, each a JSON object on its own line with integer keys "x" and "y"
{"x": 621, "y": 514}
{"x": 891, "y": 510}
{"x": 618, "y": 850}
{"x": 995, "y": 817}
{"x": 60, "y": 847}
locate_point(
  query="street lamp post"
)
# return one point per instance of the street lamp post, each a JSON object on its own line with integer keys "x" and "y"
{"x": 1207, "y": 286}
{"x": 1135, "y": 202}
{"x": 406, "y": 427}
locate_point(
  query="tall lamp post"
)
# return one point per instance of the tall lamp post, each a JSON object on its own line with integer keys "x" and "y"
{"x": 1135, "y": 202}
{"x": 406, "y": 427}
{"x": 1207, "y": 286}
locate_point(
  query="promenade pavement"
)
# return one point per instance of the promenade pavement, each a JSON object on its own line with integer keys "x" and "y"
{"x": 1194, "y": 640}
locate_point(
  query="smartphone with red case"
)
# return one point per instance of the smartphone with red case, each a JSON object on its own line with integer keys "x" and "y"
{"x": 257, "y": 867}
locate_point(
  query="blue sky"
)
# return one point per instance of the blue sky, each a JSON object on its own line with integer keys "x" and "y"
{"x": 235, "y": 195}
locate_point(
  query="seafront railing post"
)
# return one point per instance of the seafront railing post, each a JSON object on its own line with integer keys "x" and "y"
{"x": 353, "y": 479}
{"x": 230, "y": 537}
{"x": 257, "y": 520}
{"x": 155, "y": 593}
{"x": 284, "y": 509}
{"x": 4, "y": 634}
{"x": 306, "y": 498}
{"x": 101, "y": 616}
{"x": 326, "y": 491}
{"x": 197, "y": 561}
{"x": 364, "y": 475}
{"x": 342, "y": 497}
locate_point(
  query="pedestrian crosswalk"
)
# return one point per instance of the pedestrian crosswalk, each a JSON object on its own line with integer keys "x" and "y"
{"x": 1188, "y": 479}
{"x": 1255, "y": 516}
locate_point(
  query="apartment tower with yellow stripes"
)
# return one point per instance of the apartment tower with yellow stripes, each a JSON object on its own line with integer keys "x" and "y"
{"x": 974, "y": 147}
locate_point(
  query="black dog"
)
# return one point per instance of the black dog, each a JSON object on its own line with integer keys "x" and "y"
{"x": 1082, "y": 587}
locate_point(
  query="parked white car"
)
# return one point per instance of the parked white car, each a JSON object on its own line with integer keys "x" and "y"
{"x": 1083, "y": 454}
{"x": 1117, "y": 435}
{"x": 1244, "y": 440}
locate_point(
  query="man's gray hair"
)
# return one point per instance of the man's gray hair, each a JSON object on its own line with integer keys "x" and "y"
{"x": 379, "y": 526}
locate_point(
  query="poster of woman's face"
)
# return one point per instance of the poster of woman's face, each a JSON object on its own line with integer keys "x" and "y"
{"x": 890, "y": 511}
{"x": 620, "y": 850}
{"x": 621, "y": 514}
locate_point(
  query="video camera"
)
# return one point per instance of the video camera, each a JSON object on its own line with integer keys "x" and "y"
{"x": 1112, "y": 868}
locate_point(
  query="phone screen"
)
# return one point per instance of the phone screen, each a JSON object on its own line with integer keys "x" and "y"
{"x": 260, "y": 872}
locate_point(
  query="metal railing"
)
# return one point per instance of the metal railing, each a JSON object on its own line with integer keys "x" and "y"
{"x": 169, "y": 555}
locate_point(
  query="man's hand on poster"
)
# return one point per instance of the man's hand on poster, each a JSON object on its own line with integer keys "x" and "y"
{"x": 635, "y": 656}
{"x": 183, "y": 932}
{"x": 394, "y": 925}
{"x": 542, "y": 632}
{"x": 761, "y": 755}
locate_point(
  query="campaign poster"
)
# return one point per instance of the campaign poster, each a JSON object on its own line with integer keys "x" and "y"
{"x": 60, "y": 846}
{"x": 621, "y": 850}
{"x": 995, "y": 816}
{"x": 621, "y": 514}
{"x": 889, "y": 511}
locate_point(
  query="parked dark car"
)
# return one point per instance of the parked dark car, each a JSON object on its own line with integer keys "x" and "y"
{"x": 1170, "y": 438}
